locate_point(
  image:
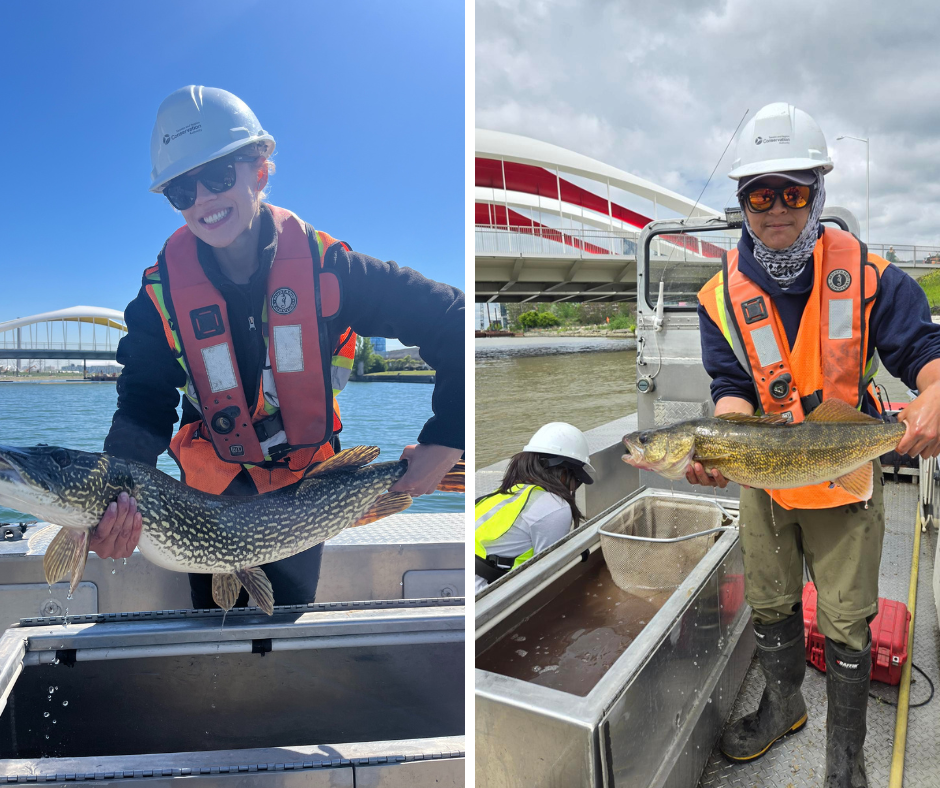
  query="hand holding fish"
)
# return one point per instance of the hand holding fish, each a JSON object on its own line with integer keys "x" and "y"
{"x": 119, "y": 529}
{"x": 427, "y": 464}
{"x": 922, "y": 416}
{"x": 697, "y": 474}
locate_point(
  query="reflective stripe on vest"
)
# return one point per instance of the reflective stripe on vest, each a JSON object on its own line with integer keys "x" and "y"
{"x": 495, "y": 514}
{"x": 298, "y": 363}
{"x": 829, "y": 354}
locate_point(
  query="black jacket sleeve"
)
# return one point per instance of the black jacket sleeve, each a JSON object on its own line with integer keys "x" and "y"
{"x": 383, "y": 300}
{"x": 147, "y": 388}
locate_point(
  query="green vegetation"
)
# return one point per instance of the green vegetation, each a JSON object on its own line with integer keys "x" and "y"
{"x": 371, "y": 361}
{"x": 931, "y": 286}
{"x": 567, "y": 315}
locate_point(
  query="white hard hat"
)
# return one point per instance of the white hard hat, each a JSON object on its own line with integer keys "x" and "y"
{"x": 779, "y": 138}
{"x": 562, "y": 440}
{"x": 197, "y": 124}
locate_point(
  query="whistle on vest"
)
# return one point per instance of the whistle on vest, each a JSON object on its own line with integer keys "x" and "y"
{"x": 224, "y": 421}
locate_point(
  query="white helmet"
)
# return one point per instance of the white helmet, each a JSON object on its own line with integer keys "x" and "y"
{"x": 563, "y": 440}
{"x": 779, "y": 138}
{"x": 195, "y": 125}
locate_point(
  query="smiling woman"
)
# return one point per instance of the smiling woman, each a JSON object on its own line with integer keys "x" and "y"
{"x": 253, "y": 314}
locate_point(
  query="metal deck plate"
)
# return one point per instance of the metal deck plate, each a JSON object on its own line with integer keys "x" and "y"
{"x": 800, "y": 760}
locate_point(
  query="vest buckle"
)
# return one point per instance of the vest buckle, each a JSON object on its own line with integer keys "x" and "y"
{"x": 754, "y": 310}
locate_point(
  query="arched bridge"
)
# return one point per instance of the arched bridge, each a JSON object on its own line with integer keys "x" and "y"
{"x": 78, "y": 332}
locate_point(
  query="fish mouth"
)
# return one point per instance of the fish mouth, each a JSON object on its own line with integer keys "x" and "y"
{"x": 9, "y": 473}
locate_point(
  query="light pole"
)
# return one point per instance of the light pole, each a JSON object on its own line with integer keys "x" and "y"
{"x": 867, "y": 183}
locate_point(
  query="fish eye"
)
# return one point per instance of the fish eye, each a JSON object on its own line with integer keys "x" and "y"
{"x": 61, "y": 456}
{"x": 644, "y": 438}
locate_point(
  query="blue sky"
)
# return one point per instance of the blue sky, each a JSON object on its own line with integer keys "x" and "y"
{"x": 365, "y": 100}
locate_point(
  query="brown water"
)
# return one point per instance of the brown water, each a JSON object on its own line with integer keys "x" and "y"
{"x": 523, "y": 383}
{"x": 571, "y": 642}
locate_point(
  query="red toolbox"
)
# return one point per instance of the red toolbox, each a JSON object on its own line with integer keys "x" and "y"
{"x": 888, "y": 637}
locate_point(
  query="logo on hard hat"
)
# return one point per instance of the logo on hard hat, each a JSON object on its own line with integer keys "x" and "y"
{"x": 758, "y": 141}
{"x": 192, "y": 128}
{"x": 839, "y": 280}
{"x": 166, "y": 139}
{"x": 283, "y": 301}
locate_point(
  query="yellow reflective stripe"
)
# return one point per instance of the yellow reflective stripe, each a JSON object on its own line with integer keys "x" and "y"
{"x": 523, "y": 558}
{"x": 496, "y": 514}
{"x": 342, "y": 361}
{"x": 720, "y": 303}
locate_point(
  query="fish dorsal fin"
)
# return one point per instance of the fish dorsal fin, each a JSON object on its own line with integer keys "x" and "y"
{"x": 859, "y": 482}
{"x": 454, "y": 479}
{"x": 346, "y": 460}
{"x": 773, "y": 420}
{"x": 389, "y": 503}
{"x": 836, "y": 410}
{"x": 258, "y": 586}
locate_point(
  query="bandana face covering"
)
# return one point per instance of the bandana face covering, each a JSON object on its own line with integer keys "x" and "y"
{"x": 785, "y": 265}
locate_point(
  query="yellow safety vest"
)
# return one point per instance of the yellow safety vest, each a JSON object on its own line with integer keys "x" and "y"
{"x": 495, "y": 514}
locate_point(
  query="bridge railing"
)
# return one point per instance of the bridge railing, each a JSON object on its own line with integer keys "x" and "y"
{"x": 573, "y": 242}
{"x": 907, "y": 253}
{"x": 61, "y": 335}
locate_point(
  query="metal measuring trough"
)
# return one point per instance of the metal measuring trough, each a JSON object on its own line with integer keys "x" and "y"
{"x": 340, "y": 694}
{"x": 579, "y": 682}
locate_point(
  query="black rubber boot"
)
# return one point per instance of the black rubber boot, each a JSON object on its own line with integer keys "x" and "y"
{"x": 781, "y": 654}
{"x": 848, "y": 676}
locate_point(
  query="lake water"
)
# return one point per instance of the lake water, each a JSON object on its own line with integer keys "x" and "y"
{"x": 78, "y": 416}
{"x": 523, "y": 383}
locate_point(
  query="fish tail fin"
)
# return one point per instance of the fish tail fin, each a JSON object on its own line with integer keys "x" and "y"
{"x": 389, "y": 503}
{"x": 455, "y": 479}
{"x": 66, "y": 556}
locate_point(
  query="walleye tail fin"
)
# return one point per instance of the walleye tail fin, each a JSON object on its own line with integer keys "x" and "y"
{"x": 65, "y": 557}
{"x": 258, "y": 586}
{"x": 355, "y": 457}
{"x": 225, "y": 590}
{"x": 389, "y": 503}
{"x": 455, "y": 479}
{"x": 859, "y": 482}
{"x": 836, "y": 410}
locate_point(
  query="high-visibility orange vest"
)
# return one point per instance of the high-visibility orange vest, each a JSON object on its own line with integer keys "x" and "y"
{"x": 828, "y": 358}
{"x": 295, "y": 413}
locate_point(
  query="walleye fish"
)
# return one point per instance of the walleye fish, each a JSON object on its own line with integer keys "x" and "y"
{"x": 186, "y": 530}
{"x": 835, "y": 443}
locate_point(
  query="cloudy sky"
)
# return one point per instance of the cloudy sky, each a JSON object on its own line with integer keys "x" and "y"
{"x": 657, "y": 88}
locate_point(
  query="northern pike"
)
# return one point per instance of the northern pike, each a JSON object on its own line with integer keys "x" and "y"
{"x": 185, "y": 530}
{"x": 835, "y": 443}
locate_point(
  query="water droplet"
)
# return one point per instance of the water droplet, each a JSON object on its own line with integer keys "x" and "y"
{"x": 114, "y": 571}
{"x": 53, "y": 722}
{"x": 69, "y": 596}
{"x": 48, "y": 697}
{"x": 45, "y": 714}
{"x": 47, "y": 735}
{"x": 65, "y": 703}
{"x": 57, "y": 687}
{"x": 55, "y": 661}
{"x": 125, "y": 562}
{"x": 51, "y": 689}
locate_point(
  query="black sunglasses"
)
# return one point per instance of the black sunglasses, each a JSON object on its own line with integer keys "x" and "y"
{"x": 763, "y": 198}
{"x": 217, "y": 176}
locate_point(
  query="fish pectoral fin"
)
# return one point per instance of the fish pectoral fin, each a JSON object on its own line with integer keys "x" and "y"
{"x": 859, "y": 482}
{"x": 455, "y": 479}
{"x": 347, "y": 459}
{"x": 837, "y": 410}
{"x": 65, "y": 557}
{"x": 225, "y": 589}
{"x": 258, "y": 586}
{"x": 389, "y": 503}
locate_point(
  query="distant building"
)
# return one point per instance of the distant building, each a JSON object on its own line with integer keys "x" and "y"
{"x": 378, "y": 345}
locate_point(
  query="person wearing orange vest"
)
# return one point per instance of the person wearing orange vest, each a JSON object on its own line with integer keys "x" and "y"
{"x": 252, "y": 314}
{"x": 795, "y": 317}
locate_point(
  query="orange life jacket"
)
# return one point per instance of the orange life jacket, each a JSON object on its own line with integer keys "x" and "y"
{"x": 829, "y": 357}
{"x": 289, "y": 424}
